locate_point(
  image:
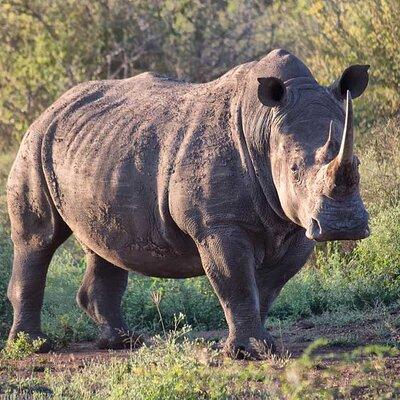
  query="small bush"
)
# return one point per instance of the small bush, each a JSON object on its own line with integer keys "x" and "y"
{"x": 380, "y": 165}
{"x": 333, "y": 34}
{"x": 21, "y": 347}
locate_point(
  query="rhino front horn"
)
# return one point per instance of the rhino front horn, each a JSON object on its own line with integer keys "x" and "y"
{"x": 346, "y": 148}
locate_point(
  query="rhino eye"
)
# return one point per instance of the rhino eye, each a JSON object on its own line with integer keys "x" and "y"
{"x": 295, "y": 171}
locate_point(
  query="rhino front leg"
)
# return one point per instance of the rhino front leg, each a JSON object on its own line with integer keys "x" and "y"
{"x": 228, "y": 260}
{"x": 100, "y": 296}
{"x": 270, "y": 280}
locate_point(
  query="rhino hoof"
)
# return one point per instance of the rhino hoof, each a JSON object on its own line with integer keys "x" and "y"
{"x": 118, "y": 340}
{"x": 250, "y": 348}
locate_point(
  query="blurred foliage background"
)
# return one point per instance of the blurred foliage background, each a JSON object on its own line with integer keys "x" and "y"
{"x": 48, "y": 46}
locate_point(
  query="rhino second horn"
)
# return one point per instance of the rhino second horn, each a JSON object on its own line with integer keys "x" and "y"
{"x": 329, "y": 142}
{"x": 346, "y": 148}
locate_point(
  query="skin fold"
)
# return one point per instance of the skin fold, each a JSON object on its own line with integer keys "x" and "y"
{"x": 173, "y": 179}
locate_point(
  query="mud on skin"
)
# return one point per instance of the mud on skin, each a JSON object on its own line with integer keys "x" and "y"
{"x": 234, "y": 179}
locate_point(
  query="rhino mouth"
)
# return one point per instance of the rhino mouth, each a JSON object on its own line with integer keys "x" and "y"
{"x": 322, "y": 230}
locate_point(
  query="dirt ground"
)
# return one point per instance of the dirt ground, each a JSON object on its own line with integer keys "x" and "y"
{"x": 292, "y": 340}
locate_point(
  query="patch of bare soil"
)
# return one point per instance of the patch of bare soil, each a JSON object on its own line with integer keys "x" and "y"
{"x": 71, "y": 359}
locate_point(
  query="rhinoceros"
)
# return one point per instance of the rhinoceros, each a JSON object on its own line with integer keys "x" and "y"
{"x": 235, "y": 179}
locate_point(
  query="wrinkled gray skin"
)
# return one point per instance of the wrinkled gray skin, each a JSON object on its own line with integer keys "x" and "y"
{"x": 233, "y": 179}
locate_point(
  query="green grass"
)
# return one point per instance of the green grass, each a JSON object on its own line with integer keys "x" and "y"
{"x": 176, "y": 368}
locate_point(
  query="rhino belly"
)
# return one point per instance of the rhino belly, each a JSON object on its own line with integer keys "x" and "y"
{"x": 118, "y": 218}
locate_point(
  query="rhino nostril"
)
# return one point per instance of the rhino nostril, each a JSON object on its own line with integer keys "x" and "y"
{"x": 316, "y": 227}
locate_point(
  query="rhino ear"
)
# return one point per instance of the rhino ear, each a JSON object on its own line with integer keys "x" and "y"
{"x": 271, "y": 91}
{"x": 354, "y": 78}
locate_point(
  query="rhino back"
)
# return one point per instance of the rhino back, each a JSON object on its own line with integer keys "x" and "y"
{"x": 116, "y": 148}
{"x": 106, "y": 156}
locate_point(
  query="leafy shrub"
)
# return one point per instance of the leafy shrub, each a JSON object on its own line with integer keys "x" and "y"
{"x": 50, "y": 46}
{"x": 333, "y": 34}
{"x": 21, "y": 347}
{"x": 380, "y": 165}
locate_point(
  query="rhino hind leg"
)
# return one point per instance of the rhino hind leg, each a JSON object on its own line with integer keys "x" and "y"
{"x": 37, "y": 230}
{"x": 33, "y": 250}
{"x": 25, "y": 292}
{"x": 100, "y": 296}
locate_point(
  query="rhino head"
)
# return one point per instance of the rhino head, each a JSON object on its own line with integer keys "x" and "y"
{"x": 311, "y": 151}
